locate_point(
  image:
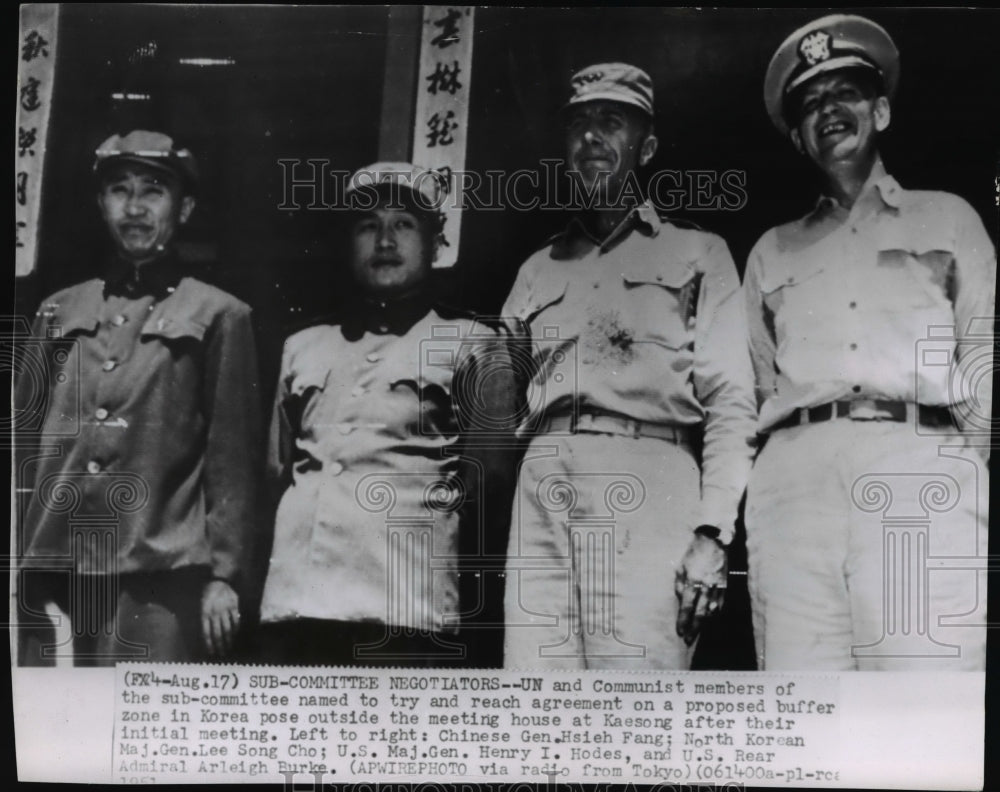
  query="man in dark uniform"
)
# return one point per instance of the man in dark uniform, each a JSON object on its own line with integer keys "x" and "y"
{"x": 383, "y": 446}
{"x": 618, "y": 537}
{"x": 138, "y": 437}
{"x": 869, "y": 319}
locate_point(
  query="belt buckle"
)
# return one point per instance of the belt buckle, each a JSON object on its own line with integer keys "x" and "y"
{"x": 864, "y": 410}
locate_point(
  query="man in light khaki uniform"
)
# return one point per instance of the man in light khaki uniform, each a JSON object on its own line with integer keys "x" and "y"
{"x": 618, "y": 535}
{"x": 870, "y": 325}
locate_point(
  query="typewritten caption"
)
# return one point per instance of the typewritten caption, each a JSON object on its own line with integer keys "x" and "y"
{"x": 224, "y": 724}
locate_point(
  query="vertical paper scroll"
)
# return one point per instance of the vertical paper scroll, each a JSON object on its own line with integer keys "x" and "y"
{"x": 36, "y": 72}
{"x": 441, "y": 119}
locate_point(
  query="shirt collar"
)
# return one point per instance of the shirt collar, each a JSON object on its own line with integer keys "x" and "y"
{"x": 643, "y": 216}
{"x": 157, "y": 278}
{"x": 879, "y": 188}
{"x": 387, "y": 316}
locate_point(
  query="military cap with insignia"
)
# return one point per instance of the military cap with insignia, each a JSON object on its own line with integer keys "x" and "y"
{"x": 615, "y": 82}
{"x": 154, "y": 149}
{"x": 420, "y": 188}
{"x": 831, "y": 43}
{"x": 428, "y": 187}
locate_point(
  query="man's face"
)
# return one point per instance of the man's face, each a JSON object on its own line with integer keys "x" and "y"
{"x": 839, "y": 120}
{"x": 142, "y": 208}
{"x": 390, "y": 252}
{"x": 605, "y": 141}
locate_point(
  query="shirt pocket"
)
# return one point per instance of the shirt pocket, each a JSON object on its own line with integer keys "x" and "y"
{"x": 795, "y": 296}
{"x": 174, "y": 328}
{"x": 661, "y": 301}
{"x": 420, "y": 393}
{"x": 545, "y": 294}
{"x": 306, "y": 393}
{"x": 919, "y": 266}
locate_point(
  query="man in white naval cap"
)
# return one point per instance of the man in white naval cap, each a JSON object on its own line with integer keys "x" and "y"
{"x": 382, "y": 448}
{"x": 640, "y": 411}
{"x": 868, "y": 318}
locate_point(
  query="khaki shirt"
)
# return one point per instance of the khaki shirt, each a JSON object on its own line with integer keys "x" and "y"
{"x": 647, "y": 323}
{"x": 365, "y": 439}
{"x": 892, "y": 299}
{"x": 138, "y": 427}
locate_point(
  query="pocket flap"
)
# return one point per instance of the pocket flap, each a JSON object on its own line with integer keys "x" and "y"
{"x": 674, "y": 274}
{"x": 780, "y": 277}
{"x": 174, "y": 327}
{"x": 544, "y": 294}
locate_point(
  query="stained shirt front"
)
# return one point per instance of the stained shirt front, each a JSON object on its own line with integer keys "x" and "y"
{"x": 364, "y": 442}
{"x": 892, "y": 299}
{"x": 648, "y": 324}
{"x": 138, "y": 431}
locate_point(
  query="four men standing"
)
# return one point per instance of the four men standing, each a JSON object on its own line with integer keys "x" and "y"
{"x": 390, "y": 425}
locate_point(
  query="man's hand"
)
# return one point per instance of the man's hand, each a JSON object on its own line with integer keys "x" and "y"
{"x": 220, "y": 616}
{"x": 700, "y": 585}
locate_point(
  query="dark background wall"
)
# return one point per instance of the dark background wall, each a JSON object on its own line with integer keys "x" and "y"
{"x": 306, "y": 82}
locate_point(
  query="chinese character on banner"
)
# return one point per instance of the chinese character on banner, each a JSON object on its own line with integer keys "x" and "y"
{"x": 34, "y": 46}
{"x": 36, "y": 70}
{"x": 440, "y": 129}
{"x": 444, "y": 78}
{"x": 442, "y": 112}
{"x": 448, "y": 27}
{"x": 26, "y": 140}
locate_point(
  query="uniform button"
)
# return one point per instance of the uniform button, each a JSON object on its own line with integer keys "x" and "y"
{"x": 854, "y": 230}
{"x": 854, "y": 347}
{"x": 852, "y": 304}
{"x": 659, "y": 277}
{"x": 358, "y": 391}
{"x": 109, "y": 365}
{"x": 856, "y": 389}
{"x": 597, "y": 284}
{"x": 790, "y": 279}
{"x": 93, "y": 467}
{"x": 345, "y": 428}
{"x": 383, "y": 328}
{"x": 336, "y": 469}
{"x": 372, "y": 357}
{"x": 119, "y": 320}
{"x": 101, "y": 413}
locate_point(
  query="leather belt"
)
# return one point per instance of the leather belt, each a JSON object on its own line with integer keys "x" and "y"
{"x": 869, "y": 410}
{"x": 596, "y": 422}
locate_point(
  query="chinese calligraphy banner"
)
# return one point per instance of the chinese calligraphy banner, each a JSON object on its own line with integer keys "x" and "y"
{"x": 36, "y": 69}
{"x": 441, "y": 120}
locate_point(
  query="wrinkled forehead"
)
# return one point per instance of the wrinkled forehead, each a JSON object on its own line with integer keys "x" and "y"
{"x": 601, "y": 108}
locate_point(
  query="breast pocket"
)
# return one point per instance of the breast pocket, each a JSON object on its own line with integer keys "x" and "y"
{"x": 174, "y": 329}
{"x": 796, "y": 299}
{"x": 661, "y": 303}
{"x": 544, "y": 296}
{"x": 304, "y": 403}
{"x": 919, "y": 270}
{"x": 421, "y": 400}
